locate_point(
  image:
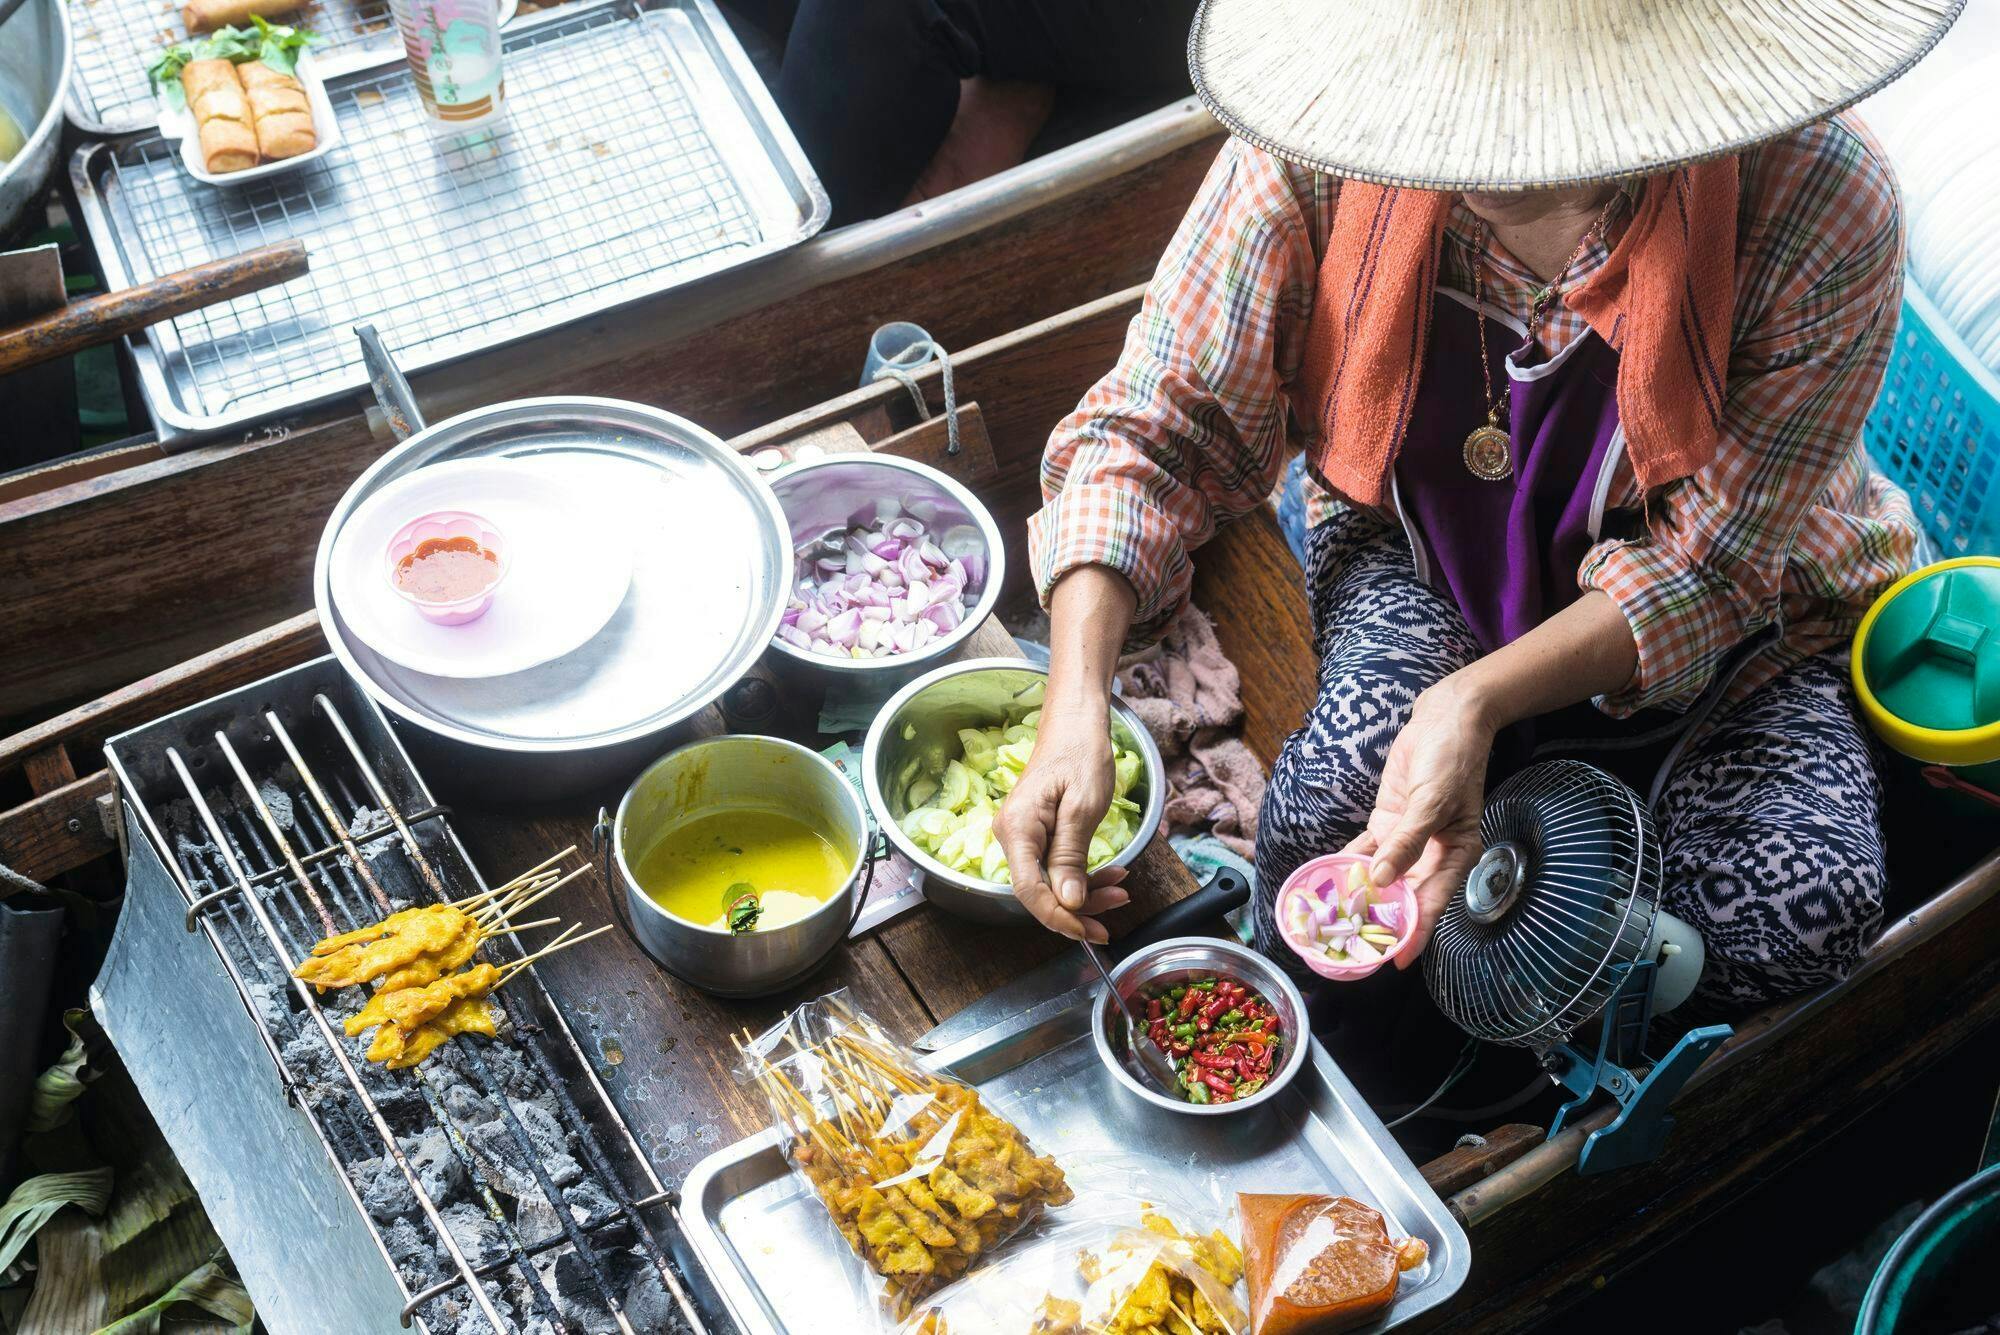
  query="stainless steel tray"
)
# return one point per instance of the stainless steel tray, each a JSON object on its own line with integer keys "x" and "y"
{"x": 639, "y": 151}
{"x": 777, "y": 1262}
{"x": 117, "y": 39}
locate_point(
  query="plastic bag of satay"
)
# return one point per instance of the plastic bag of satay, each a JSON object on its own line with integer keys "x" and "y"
{"x": 920, "y": 1176}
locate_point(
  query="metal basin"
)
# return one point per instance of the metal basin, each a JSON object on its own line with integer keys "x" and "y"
{"x": 1175, "y": 961}
{"x": 35, "y": 59}
{"x": 922, "y": 721}
{"x": 735, "y": 772}
{"x": 839, "y": 491}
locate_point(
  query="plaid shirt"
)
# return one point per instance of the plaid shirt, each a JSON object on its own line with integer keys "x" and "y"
{"x": 1788, "y": 527}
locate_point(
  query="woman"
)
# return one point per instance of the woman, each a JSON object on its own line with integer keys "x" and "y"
{"x": 1583, "y": 404}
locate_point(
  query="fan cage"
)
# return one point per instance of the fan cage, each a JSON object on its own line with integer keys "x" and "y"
{"x": 1533, "y": 976}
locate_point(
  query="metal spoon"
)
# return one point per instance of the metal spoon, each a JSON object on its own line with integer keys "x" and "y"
{"x": 1144, "y": 1060}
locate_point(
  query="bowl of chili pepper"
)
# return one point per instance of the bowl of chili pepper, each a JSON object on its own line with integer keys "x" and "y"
{"x": 1231, "y": 1022}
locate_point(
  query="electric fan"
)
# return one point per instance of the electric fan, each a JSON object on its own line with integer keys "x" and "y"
{"x": 1560, "y": 924}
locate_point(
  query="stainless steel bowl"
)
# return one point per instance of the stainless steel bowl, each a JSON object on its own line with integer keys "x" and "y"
{"x": 1183, "y": 957}
{"x": 760, "y": 773}
{"x": 838, "y": 491}
{"x": 35, "y": 58}
{"x": 921, "y": 722}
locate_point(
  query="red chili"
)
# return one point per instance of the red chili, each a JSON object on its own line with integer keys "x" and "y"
{"x": 1153, "y": 1011}
{"x": 1188, "y": 1003}
{"x": 1215, "y": 1008}
{"x": 1217, "y": 1083}
{"x": 1180, "y": 1049}
{"x": 1210, "y": 1059}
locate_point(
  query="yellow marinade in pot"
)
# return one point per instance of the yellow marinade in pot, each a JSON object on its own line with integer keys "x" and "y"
{"x": 742, "y": 869}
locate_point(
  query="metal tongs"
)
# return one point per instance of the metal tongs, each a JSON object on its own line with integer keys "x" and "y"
{"x": 1143, "y": 1058}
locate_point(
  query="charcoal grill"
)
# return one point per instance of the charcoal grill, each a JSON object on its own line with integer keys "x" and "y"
{"x": 283, "y": 812}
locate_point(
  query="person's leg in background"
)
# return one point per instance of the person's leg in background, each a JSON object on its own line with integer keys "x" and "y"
{"x": 1770, "y": 829}
{"x": 869, "y": 89}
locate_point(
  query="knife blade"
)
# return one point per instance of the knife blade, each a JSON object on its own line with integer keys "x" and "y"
{"x": 1201, "y": 913}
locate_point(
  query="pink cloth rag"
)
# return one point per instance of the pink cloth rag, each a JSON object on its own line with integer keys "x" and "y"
{"x": 1187, "y": 693}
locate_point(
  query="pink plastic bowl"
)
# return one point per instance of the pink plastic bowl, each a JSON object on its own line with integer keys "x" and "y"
{"x": 447, "y": 524}
{"x": 1323, "y": 876}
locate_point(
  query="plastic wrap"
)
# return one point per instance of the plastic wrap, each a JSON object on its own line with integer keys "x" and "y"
{"x": 921, "y": 1178}
{"x": 1101, "y": 1277}
{"x": 1319, "y": 1264}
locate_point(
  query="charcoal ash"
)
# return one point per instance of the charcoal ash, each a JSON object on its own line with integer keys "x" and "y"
{"x": 477, "y": 1234}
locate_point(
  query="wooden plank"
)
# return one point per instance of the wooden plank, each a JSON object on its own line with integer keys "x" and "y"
{"x": 83, "y": 729}
{"x": 58, "y": 831}
{"x": 1458, "y": 1168}
{"x": 48, "y": 769}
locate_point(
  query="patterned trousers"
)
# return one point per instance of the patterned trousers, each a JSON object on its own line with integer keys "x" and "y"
{"x": 1769, "y": 816}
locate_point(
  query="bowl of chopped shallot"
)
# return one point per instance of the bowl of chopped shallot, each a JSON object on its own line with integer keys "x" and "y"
{"x": 1343, "y": 925}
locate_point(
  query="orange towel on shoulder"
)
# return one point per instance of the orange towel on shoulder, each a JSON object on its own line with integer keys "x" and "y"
{"x": 1664, "y": 299}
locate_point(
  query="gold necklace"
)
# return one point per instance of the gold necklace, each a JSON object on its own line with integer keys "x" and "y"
{"x": 1489, "y": 450}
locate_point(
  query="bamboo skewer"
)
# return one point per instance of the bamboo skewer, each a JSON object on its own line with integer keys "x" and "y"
{"x": 563, "y": 942}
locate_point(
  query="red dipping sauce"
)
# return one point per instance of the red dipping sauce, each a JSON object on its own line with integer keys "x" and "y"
{"x": 447, "y": 570}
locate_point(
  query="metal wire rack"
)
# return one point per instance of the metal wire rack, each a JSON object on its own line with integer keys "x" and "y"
{"x": 626, "y": 163}
{"x": 266, "y": 851}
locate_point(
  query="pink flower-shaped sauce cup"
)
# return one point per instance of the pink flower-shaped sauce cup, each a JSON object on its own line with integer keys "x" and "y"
{"x": 447, "y": 564}
{"x": 1343, "y": 927}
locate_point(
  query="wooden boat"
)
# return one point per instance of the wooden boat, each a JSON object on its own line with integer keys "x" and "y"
{"x": 1542, "y": 1236}
{"x": 730, "y": 352}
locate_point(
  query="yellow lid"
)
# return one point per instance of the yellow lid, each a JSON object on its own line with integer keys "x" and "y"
{"x": 1926, "y": 663}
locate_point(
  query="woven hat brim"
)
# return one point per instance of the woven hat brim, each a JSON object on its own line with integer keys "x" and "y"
{"x": 1537, "y": 94}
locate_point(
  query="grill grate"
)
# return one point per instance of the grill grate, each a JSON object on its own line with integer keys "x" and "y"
{"x": 621, "y": 167}
{"x": 282, "y": 830}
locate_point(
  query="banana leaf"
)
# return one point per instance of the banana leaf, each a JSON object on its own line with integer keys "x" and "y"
{"x": 57, "y": 1088}
{"x": 36, "y": 1201}
{"x": 209, "y": 1286}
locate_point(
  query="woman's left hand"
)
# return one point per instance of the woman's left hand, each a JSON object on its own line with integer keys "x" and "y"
{"x": 1426, "y": 819}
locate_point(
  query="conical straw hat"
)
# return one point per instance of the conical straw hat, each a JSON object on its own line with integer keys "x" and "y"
{"x": 1524, "y": 94}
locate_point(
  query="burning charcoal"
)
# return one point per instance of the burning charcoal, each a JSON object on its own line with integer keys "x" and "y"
{"x": 588, "y": 1200}
{"x": 647, "y": 1304}
{"x": 475, "y": 1233}
{"x": 279, "y": 802}
{"x": 545, "y": 1133}
{"x": 273, "y": 1005}
{"x": 383, "y": 1192}
{"x": 454, "y": 1313}
{"x": 582, "y": 1304}
{"x": 414, "y": 1253}
{"x": 465, "y": 1105}
{"x": 536, "y": 1220}
{"x": 494, "y": 1144}
{"x": 438, "y": 1170}
{"x": 310, "y": 1061}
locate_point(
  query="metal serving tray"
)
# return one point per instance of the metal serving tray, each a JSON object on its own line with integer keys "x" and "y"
{"x": 765, "y": 1241}
{"x": 638, "y": 151}
{"x": 117, "y": 39}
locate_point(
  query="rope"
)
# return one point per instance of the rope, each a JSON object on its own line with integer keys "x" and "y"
{"x": 908, "y": 380}
{"x": 13, "y": 878}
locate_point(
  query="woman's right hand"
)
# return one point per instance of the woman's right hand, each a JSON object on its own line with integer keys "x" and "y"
{"x": 1046, "y": 822}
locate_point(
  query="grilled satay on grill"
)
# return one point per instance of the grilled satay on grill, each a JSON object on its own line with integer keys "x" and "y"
{"x": 407, "y": 1008}
{"x": 403, "y": 939}
{"x": 468, "y": 1015}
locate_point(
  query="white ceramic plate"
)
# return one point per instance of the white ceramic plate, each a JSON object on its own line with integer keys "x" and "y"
{"x": 178, "y": 123}
{"x": 570, "y": 561}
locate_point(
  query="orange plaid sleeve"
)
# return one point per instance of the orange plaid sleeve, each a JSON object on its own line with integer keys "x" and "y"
{"x": 1785, "y": 501}
{"x": 1189, "y": 428}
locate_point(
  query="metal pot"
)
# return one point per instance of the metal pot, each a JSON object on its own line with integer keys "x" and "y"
{"x": 1175, "y": 961}
{"x": 587, "y": 721}
{"x": 922, "y": 721}
{"x": 760, "y": 773}
{"x": 837, "y": 492}
{"x": 35, "y": 59}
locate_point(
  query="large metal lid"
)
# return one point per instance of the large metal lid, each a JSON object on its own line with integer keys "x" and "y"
{"x": 710, "y": 574}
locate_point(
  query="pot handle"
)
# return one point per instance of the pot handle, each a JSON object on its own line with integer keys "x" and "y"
{"x": 392, "y": 390}
{"x": 600, "y": 843}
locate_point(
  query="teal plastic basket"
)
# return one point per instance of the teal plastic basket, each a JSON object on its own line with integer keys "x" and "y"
{"x": 1936, "y": 431}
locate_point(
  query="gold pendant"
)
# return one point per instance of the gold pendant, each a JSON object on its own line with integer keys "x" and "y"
{"x": 1488, "y": 454}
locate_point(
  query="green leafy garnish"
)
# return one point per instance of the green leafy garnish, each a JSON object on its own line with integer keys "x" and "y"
{"x": 275, "y": 44}
{"x": 743, "y": 907}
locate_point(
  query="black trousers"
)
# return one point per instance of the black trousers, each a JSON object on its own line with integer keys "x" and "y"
{"x": 870, "y": 86}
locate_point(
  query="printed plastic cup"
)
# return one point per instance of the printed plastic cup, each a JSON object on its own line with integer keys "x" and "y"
{"x": 445, "y": 525}
{"x": 454, "y": 51}
{"x": 1324, "y": 880}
